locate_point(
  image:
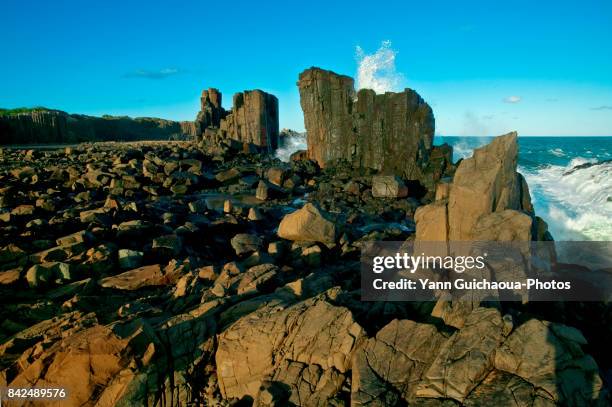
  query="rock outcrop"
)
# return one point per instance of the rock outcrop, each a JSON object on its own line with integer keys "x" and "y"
{"x": 253, "y": 119}
{"x": 150, "y": 274}
{"x": 55, "y": 126}
{"x": 252, "y": 122}
{"x": 391, "y": 132}
{"x": 487, "y": 200}
{"x": 306, "y": 346}
{"x": 211, "y": 110}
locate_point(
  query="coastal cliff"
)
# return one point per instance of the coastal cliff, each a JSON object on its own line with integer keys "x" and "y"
{"x": 55, "y": 126}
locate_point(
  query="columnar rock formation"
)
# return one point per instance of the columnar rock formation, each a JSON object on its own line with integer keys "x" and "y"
{"x": 253, "y": 120}
{"x": 391, "y": 132}
{"x": 487, "y": 200}
{"x": 211, "y": 111}
{"x": 55, "y": 126}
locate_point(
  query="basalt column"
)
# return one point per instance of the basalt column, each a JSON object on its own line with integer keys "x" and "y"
{"x": 390, "y": 132}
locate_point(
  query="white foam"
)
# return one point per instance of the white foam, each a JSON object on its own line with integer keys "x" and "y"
{"x": 292, "y": 144}
{"x": 557, "y": 152}
{"x": 464, "y": 148}
{"x": 577, "y": 203}
{"x": 377, "y": 71}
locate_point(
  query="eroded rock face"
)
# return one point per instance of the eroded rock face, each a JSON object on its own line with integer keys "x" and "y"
{"x": 386, "y": 368}
{"x": 466, "y": 358}
{"x": 304, "y": 343}
{"x": 253, "y": 119}
{"x": 211, "y": 110}
{"x": 549, "y": 357}
{"x": 55, "y": 126}
{"x": 252, "y": 122}
{"x": 392, "y": 132}
{"x": 487, "y": 200}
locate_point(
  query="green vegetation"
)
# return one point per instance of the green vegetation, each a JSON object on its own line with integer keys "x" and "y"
{"x": 7, "y": 112}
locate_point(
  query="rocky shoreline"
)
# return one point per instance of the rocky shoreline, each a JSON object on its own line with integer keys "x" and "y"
{"x": 211, "y": 273}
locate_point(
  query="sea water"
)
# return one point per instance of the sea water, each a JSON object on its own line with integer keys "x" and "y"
{"x": 570, "y": 180}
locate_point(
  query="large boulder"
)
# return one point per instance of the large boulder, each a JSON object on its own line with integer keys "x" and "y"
{"x": 387, "y": 367}
{"x": 466, "y": 358}
{"x": 391, "y": 132}
{"x": 486, "y": 183}
{"x": 308, "y": 224}
{"x": 388, "y": 186}
{"x": 549, "y": 356}
{"x": 307, "y": 346}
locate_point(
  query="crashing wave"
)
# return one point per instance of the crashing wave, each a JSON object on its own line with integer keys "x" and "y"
{"x": 289, "y": 142}
{"x": 576, "y": 199}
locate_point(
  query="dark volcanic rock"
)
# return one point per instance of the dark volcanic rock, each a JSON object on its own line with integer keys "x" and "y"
{"x": 253, "y": 119}
{"x": 211, "y": 111}
{"x": 392, "y": 132}
{"x": 251, "y": 125}
{"x": 55, "y": 126}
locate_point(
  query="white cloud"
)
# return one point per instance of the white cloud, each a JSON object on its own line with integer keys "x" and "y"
{"x": 513, "y": 99}
{"x": 153, "y": 74}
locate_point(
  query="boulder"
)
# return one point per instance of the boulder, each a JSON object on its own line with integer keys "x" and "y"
{"x": 83, "y": 363}
{"x": 130, "y": 259}
{"x": 308, "y": 224}
{"x": 145, "y": 276}
{"x": 244, "y": 243}
{"x": 167, "y": 246}
{"x": 549, "y": 356}
{"x": 387, "y": 367}
{"x": 388, "y": 186}
{"x": 310, "y": 342}
{"x": 45, "y": 274}
{"x": 466, "y": 357}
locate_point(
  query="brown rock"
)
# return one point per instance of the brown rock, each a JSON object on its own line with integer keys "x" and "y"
{"x": 466, "y": 357}
{"x": 314, "y": 334}
{"x": 386, "y": 368}
{"x": 392, "y": 132}
{"x": 308, "y": 224}
{"x": 485, "y": 183}
{"x": 487, "y": 200}
{"x": 253, "y": 119}
{"x": 549, "y": 356}
{"x": 388, "y": 186}
{"x": 145, "y": 276}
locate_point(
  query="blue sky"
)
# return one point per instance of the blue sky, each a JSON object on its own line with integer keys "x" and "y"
{"x": 468, "y": 59}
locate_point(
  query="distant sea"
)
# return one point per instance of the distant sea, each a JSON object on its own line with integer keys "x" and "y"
{"x": 570, "y": 180}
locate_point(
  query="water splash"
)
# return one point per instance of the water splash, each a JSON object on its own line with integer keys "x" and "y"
{"x": 575, "y": 199}
{"x": 377, "y": 71}
{"x": 291, "y": 143}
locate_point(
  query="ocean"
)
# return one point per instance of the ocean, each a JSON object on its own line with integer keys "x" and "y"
{"x": 570, "y": 180}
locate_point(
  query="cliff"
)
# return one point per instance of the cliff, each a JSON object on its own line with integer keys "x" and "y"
{"x": 252, "y": 122}
{"x": 56, "y": 126}
{"x": 390, "y": 132}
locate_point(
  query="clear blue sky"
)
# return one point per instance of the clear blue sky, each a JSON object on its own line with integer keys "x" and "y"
{"x": 468, "y": 59}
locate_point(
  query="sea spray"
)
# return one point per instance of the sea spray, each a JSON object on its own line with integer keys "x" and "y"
{"x": 289, "y": 144}
{"x": 377, "y": 71}
{"x": 575, "y": 199}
